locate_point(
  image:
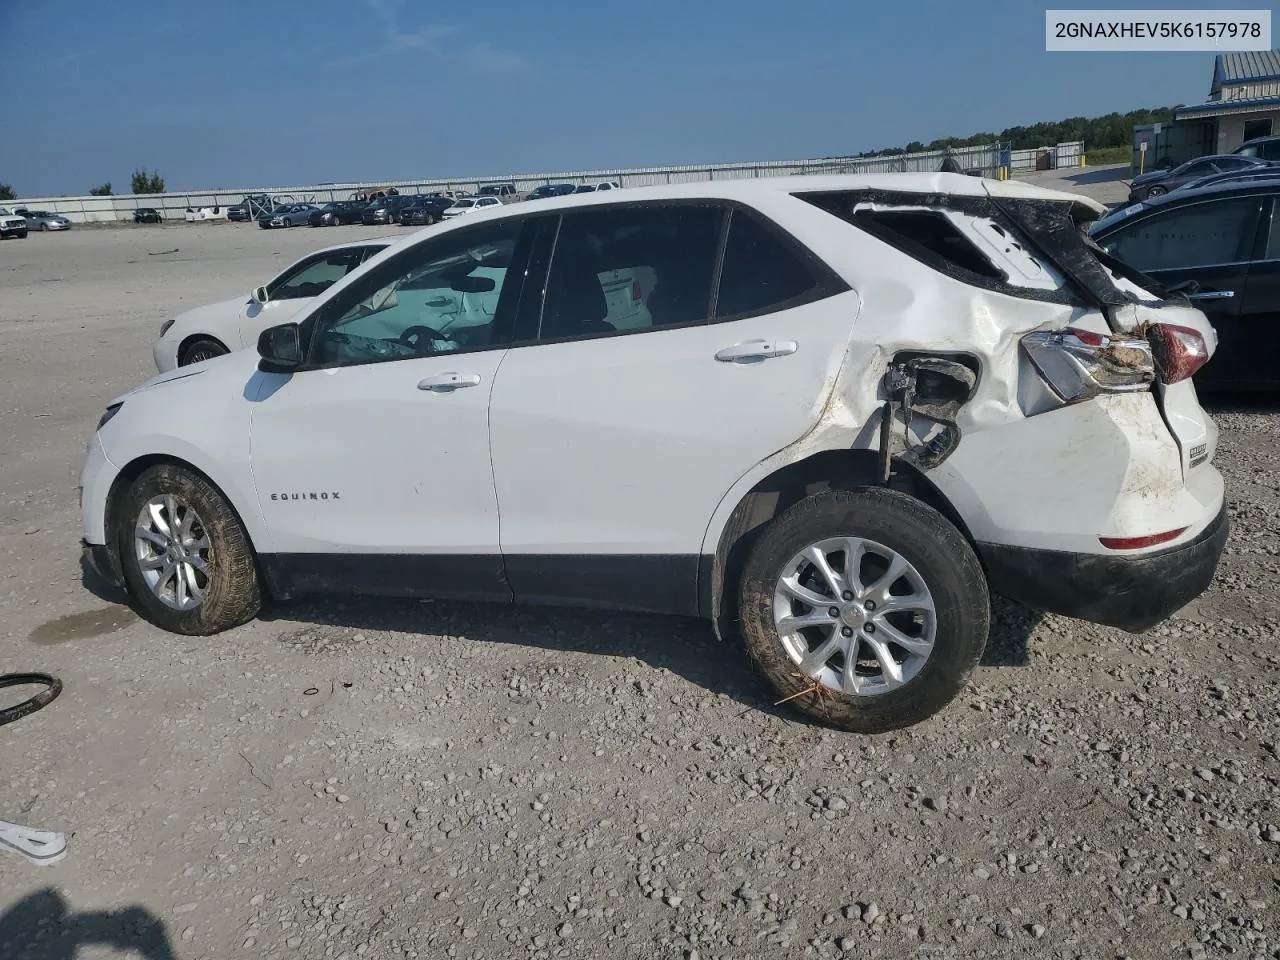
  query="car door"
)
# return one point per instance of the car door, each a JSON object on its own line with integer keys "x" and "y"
{"x": 618, "y": 431}
{"x": 1208, "y": 242}
{"x": 1258, "y": 365}
{"x": 372, "y": 464}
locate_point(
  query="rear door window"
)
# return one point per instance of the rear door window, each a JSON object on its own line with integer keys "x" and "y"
{"x": 1202, "y": 234}
{"x": 632, "y": 268}
{"x": 764, "y": 271}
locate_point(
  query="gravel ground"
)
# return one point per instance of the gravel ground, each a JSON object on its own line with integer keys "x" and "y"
{"x": 382, "y": 779}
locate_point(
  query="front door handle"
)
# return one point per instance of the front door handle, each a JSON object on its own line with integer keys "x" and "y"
{"x": 1212, "y": 295}
{"x": 448, "y": 382}
{"x": 752, "y": 351}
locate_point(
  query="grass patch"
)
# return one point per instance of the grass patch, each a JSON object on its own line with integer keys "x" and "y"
{"x": 1100, "y": 156}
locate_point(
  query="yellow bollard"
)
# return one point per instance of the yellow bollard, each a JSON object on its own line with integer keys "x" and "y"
{"x": 1082, "y": 160}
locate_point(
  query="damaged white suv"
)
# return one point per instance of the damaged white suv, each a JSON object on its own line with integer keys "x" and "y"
{"x": 857, "y": 404}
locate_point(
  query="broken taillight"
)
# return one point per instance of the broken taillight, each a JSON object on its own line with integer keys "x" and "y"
{"x": 1178, "y": 351}
{"x": 1079, "y": 364}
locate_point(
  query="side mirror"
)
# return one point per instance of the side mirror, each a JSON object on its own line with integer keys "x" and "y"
{"x": 260, "y": 294}
{"x": 280, "y": 348}
{"x": 473, "y": 284}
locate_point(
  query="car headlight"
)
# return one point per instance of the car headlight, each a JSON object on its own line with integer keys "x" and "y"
{"x": 110, "y": 412}
{"x": 165, "y": 327}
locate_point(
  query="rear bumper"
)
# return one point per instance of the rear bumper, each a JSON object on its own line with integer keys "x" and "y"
{"x": 1133, "y": 593}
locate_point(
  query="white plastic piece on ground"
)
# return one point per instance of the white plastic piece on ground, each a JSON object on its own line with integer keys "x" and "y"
{"x": 42, "y": 847}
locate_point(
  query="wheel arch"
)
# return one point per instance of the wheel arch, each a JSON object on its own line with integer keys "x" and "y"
{"x": 847, "y": 469}
{"x": 113, "y": 521}
{"x": 191, "y": 338}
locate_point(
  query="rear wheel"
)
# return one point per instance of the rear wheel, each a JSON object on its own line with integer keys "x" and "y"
{"x": 203, "y": 349}
{"x": 185, "y": 554}
{"x": 1157, "y": 192}
{"x": 865, "y": 609}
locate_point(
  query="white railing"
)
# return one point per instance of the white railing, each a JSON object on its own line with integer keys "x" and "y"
{"x": 985, "y": 159}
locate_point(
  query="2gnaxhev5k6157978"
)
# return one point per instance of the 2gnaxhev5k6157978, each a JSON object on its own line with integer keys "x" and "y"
{"x": 828, "y": 414}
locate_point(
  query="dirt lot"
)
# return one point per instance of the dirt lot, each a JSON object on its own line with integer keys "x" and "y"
{"x": 479, "y": 781}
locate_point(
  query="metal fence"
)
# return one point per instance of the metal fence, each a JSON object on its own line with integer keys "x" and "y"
{"x": 1044, "y": 158}
{"x": 984, "y": 160}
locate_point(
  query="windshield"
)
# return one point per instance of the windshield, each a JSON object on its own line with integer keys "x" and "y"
{"x": 464, "y": 203}
{"x": 4, "y": 211}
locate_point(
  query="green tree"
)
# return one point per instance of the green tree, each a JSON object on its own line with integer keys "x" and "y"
{"x": 144, "y": 182}
{"x": 6, "y": 192}
{"x": 101, "y": 190}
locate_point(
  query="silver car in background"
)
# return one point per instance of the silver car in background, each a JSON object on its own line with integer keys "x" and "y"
{"x": 288, "y": 215}
{"x": 44, "y": 220}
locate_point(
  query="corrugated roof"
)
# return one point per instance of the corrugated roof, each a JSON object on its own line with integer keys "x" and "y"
{"x": 1250, "y": 65}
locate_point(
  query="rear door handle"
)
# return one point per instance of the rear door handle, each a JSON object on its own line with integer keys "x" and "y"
{"x": 751, "y": 351}
{"x": 448, "y": 382}
{"x": 1212, "y": 295}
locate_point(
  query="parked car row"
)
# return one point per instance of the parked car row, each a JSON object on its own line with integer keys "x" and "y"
{"x": 19, "y": 221}
{"x": 1156, "y": 183}
{"x": 380, "y": 206}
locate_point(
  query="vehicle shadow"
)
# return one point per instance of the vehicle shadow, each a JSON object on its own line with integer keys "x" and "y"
{"x": 42, "y": 927}
{"x": 100, "y": 588}
{"x": 683, "y": 645}
{"x": 1012, "y": 624}
{"x": 1105, "y": 175}
{"x": 1253, "y": 401}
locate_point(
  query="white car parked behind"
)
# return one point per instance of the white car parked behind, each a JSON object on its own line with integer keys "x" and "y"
{"x": 12, "y": 225}
{"x": 849, "y": 408}
{"x": 470, "y": 205}
{"x": 234, "y": 324}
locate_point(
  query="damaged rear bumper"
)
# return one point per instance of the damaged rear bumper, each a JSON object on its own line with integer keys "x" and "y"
{"x": 1133, "y": 593}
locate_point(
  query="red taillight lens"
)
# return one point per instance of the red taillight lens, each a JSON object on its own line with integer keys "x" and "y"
{"x": 1178, "y": 351}
{"x": 635, "y": 290}
{"x": 1133, "y": 543}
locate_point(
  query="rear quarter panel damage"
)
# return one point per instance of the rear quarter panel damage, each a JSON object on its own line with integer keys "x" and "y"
{"x": 1059, "y": 479}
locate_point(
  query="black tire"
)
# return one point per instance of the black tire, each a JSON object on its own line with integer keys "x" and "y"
{"x": 203, "y": 349}
{"x": 1157, "y": 192}
{"x": 922, "y": 536}
{"x": 232, "y": 595}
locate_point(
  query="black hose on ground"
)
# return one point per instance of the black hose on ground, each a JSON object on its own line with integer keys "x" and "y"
{"x": 52, "y": 685}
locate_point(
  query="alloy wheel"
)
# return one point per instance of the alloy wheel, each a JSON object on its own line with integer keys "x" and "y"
{"x": 174, "y": 551}
{"x": 854, "y": 616}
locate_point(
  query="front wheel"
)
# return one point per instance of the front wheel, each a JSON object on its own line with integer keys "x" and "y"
{"x": 186, "y": 557}
{"x": 1157, "y": 192}
{"x": 865, "y": 609}
{"x": 200, "y": 350}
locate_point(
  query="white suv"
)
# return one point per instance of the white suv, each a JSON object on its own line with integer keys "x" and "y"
{"x": 848, "y": 408}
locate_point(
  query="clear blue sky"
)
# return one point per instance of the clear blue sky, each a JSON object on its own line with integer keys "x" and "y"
{"x": 265, "y": 92}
